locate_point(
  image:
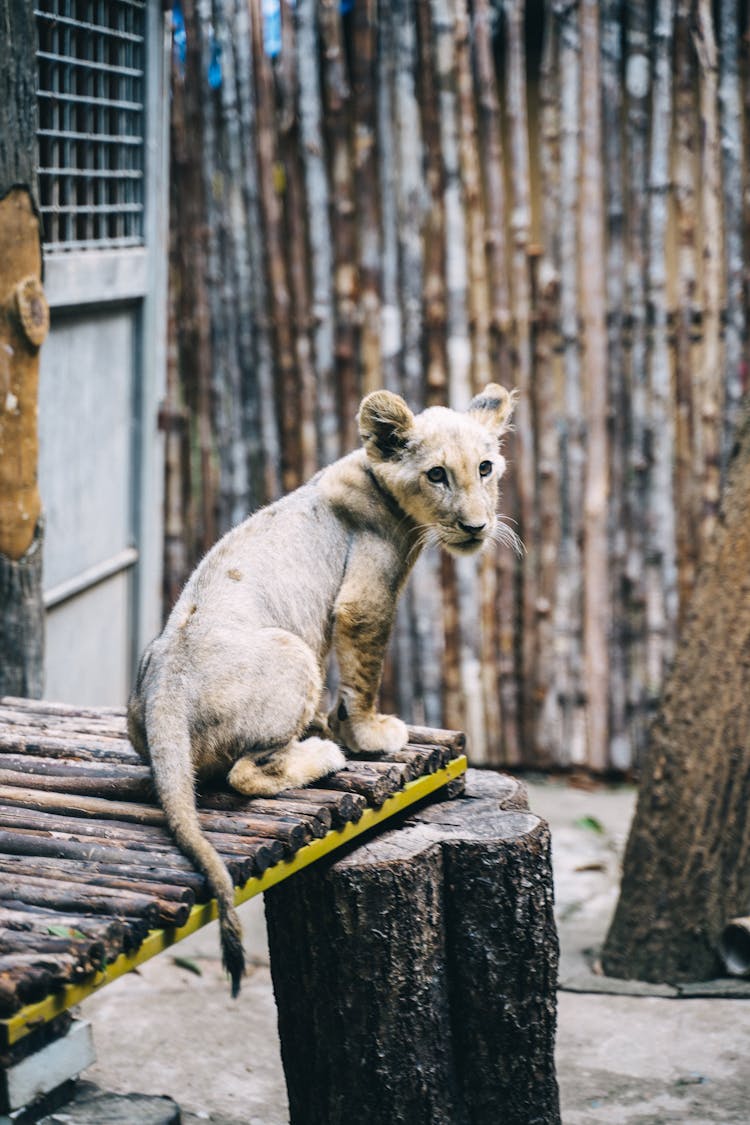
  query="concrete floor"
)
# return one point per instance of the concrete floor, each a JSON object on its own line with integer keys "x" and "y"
{"x": 627, "y": 1059}
{"x": 622, "y": 1059}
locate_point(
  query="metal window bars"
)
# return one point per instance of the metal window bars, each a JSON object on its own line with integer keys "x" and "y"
{"x": 91, "y": 98}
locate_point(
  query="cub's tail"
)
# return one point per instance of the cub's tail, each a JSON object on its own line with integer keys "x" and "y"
{"x": 168, "y": 749}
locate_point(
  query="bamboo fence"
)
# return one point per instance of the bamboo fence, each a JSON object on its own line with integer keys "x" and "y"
{"x": 428, "y": 194}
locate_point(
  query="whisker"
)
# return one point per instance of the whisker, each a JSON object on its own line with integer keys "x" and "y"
{"x": 508, "y": 538}
{"x": 425, "y": 533}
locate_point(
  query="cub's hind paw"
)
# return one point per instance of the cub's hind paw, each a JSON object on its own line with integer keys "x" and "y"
{"x": 253, "y": 780}
{"x": 296, "y": 765}
{"x": 314, "y": 758}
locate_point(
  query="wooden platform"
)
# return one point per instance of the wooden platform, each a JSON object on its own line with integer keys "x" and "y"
{"x": 91, "y": 884}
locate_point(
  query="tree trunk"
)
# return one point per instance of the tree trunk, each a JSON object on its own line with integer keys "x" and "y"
{"x": 416, "y": 976}
{"x": 23, "y": 324}
{"x": 687, "y": 864}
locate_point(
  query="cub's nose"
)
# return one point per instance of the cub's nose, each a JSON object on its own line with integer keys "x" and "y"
{"x": 472, "y": 528}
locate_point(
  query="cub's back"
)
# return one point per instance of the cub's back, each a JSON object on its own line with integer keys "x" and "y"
{"x": 281, "y": 568}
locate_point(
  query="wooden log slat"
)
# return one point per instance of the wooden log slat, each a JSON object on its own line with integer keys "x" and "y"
{"x": 11, "y": 815}
{"x": 339, "y": 807}
{"x": 90, "y": 955}
{"x": 305, "y": 810}
{"x": 71, "y": 767}
{"x": 111, "y": 932}
{"x": 362, "y": 777}
{"x": 160, "y": 879}
{"x": 395, "y": 772}
{"x": 25, "y": 983}
{"x": 18, "y": 722}
{"x": 344, "y": 807}
{"x": 64, "y": 710}
{"x": 112, "y": 749}
{"x": 240, "y": 862}
{"x": 253, "y": 854}
{"x": 26, "y": 870}
{"x": 242, "y": 849}
{"x": 433, "y": 736}
{"x": 419, "y": 760}
{"x": 314, "y": 825}
{"x": 29, "y": 843}
{"x": 434, "y": 756}
{"x": 289, "y": 829}
{"x": 181, "y": 896}
{"x": 116, "y": 726}
{"x": 61, "y": 966}
{"x": 115, "y": 787}
{"x": 256, "y": 852}
{"x": 93, "y": 900}
{"x": 20, "y": 986}
{"x": 147, "y": 837}
{"x": 134, "y": 929}
{"x": 12, "y": 720}
{"x": 48, "y": 747}
{"x": 26, "y": 977}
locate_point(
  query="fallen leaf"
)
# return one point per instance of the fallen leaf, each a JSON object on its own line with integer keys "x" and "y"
{"x": 187, "y": 963}
{"x": 591, "y": 824}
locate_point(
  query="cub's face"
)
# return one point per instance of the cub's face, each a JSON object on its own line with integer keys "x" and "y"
{"x": 443, "y": 467}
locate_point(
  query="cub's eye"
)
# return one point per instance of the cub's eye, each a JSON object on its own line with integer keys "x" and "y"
{"x": 437, "y": 475}
{"x": 485, "y": 468}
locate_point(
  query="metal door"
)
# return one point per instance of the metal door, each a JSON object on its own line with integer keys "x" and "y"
{"x": 103, "y": 143}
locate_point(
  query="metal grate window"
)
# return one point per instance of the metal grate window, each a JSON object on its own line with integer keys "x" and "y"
{"x": 91, "y": 94}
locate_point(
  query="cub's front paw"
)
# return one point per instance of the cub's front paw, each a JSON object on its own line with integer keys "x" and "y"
{"x": 372, "y": 734}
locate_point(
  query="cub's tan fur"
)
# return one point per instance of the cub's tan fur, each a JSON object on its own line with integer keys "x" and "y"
{"x": 233, "y": 684}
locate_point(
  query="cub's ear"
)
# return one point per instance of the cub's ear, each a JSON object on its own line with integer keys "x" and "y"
{"x": 385, "y": 422}
{"x": 493, "y": 407}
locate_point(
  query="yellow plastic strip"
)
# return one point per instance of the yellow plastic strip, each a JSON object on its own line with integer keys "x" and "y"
{"x": 33, "y": 1015}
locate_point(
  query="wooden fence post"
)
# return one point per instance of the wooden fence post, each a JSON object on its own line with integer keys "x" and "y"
{"x": 24, "y": 320}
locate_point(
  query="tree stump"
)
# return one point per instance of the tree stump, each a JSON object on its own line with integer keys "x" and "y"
{"x": 415, "y": 977}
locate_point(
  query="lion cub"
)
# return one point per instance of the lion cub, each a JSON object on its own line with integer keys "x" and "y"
{"x": 234, "y": 682}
